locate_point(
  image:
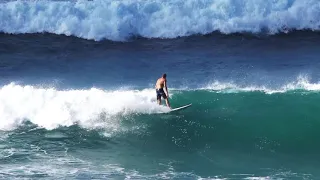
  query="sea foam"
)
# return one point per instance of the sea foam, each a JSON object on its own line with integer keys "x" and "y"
{"x": 92, "y": 108}
{"x": 119, "y": 20}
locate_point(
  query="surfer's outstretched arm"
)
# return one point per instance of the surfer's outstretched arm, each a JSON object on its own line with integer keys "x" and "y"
{"x": 167, "y": 98}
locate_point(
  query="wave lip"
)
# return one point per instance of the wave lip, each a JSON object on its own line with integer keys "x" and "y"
{"x": 119, "y": 20}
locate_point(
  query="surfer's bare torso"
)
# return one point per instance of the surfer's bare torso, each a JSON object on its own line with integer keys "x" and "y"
{"x": 160, "y": 83}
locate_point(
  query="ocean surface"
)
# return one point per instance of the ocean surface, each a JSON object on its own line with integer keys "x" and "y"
{"x": 77, "y": 97}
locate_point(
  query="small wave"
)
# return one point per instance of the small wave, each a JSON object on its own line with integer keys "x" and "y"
{"x": 119, "y": 20}
{"x": 301, "y": 83}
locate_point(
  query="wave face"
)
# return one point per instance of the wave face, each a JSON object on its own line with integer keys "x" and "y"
{"x": 119, "y": 20}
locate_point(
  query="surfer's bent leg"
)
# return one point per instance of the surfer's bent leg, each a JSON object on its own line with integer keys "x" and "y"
{"x": 166, "y": 99}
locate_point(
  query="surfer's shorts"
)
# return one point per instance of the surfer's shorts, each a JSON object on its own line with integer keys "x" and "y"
{"x": 161, "y": 93}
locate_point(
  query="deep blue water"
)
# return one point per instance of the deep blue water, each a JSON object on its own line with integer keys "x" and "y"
{"x": 190, "y": 62}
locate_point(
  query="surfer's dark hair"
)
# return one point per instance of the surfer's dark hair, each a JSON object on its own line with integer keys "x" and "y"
{"x": 164, "y": 75}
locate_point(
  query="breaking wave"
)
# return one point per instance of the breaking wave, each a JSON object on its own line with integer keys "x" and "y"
{"x": 119, "y": 20}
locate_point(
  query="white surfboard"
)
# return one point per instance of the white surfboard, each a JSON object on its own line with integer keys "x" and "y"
{"x": 180, "y": 108}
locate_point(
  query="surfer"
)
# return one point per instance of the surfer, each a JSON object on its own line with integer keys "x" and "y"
{"x": 160, "y": 85}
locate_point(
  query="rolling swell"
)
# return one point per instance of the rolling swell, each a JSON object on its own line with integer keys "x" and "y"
{"x": 245, "y": 125}
{"x": 120, "y": 20}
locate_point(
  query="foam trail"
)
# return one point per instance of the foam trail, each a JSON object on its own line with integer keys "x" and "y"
{"x": 121, "y": 19}
{"x": 50, "y": 108}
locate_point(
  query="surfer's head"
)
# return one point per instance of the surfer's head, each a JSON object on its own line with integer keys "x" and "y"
{"x": 164, "y": 75}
